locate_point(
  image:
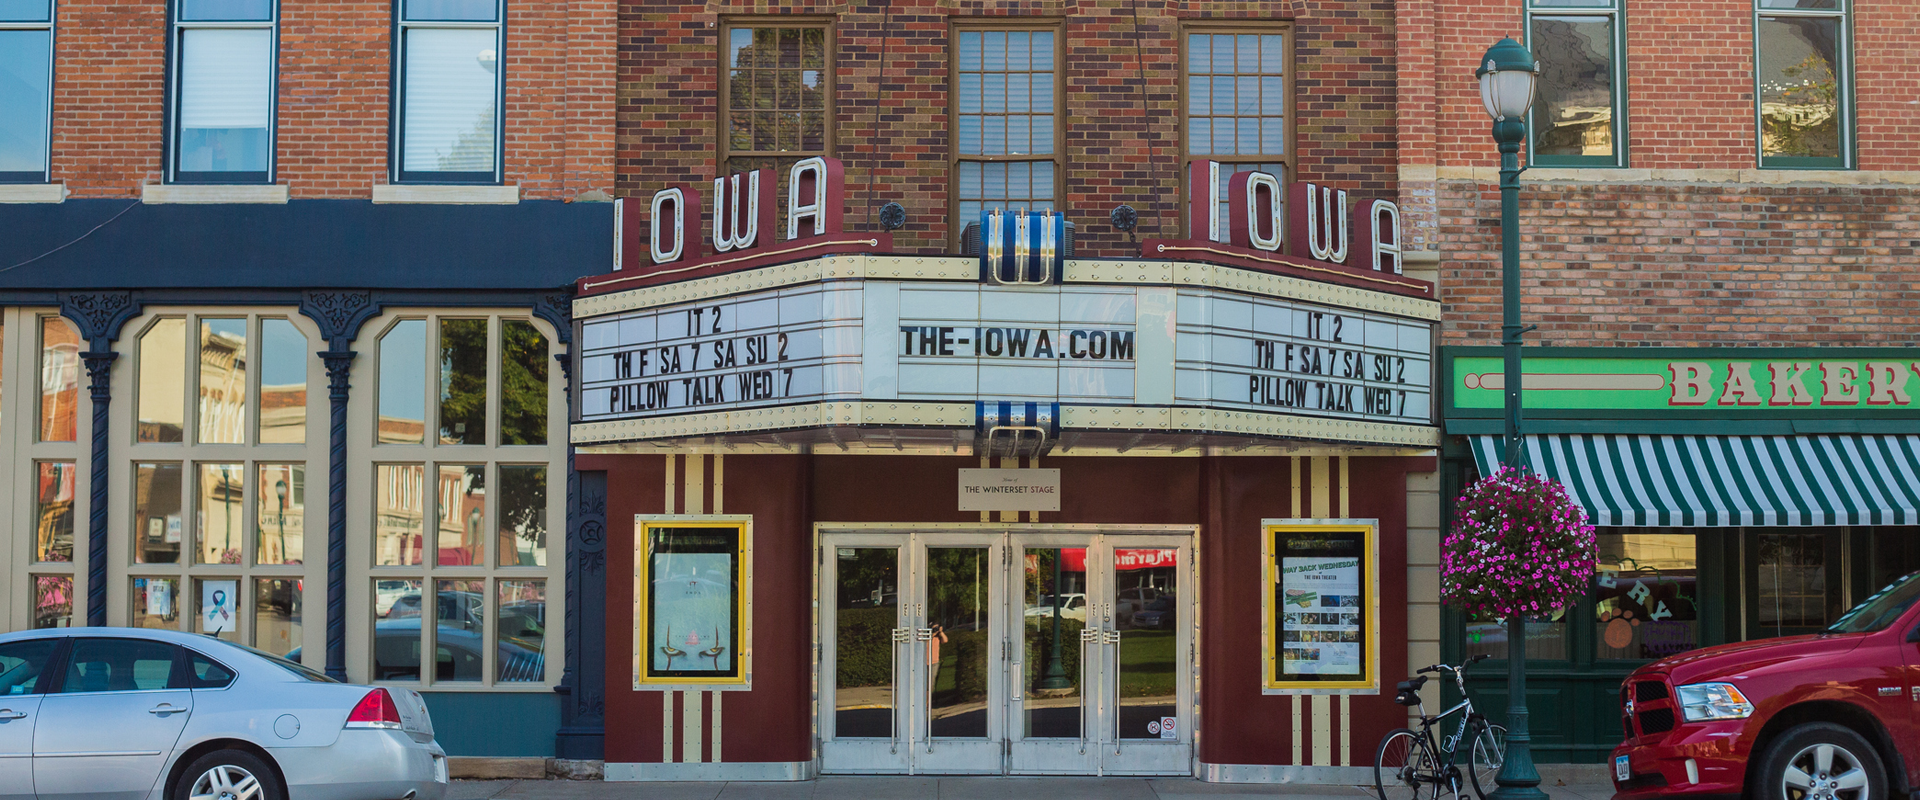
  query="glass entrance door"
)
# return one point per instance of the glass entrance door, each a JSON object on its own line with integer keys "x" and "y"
{"x": 911, "y": 653}
{"x": 1103, "y": 680}
{"x": 990, "y": 651}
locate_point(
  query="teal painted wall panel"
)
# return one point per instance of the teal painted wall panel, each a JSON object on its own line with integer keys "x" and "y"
{"x": 495, "y": 723}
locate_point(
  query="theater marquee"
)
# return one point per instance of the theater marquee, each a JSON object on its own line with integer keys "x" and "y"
{"x": 1231, "y": 338}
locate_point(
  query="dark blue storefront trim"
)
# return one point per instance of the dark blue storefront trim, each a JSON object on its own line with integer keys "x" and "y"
{"x": 341, "y": 262}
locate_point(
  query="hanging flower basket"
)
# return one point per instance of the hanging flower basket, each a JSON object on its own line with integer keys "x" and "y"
{"x": 1518, "y": 545}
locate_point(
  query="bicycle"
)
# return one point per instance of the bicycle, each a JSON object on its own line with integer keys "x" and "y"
{"x": 1407, "y": 761}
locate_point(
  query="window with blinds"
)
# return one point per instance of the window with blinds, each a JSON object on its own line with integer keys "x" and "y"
{"x": 1239, "y": 102}
{"x": 223, "y": 78}
{"x": 449, "y": 84}
{"x": 26, "y": 88}
{"x": 1006, "y": 131}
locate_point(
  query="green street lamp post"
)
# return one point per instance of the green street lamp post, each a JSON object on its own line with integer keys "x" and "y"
{"x": 1056, "y": 672}
{"x": 1507, "y": 74}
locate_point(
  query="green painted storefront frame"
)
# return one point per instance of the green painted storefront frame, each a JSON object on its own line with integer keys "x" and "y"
{"x": 1575, "y": 703}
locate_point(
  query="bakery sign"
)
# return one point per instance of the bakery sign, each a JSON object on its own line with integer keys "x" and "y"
{"x": 1754, "y": 381}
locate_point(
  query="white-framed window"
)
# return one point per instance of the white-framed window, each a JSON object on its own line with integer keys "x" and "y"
{"x": 1006, "y": 118}
{"x": 223, "y": 428}
{"x": 26, "y": 90}
{"x": 448, "y": 90}
{"x": 222, "y": 91}
{"x": 1580, "y": 105}
{"x": 43, "y": 484}
{"x": 1803, "y": 83}
{"x": 459, "y": 561}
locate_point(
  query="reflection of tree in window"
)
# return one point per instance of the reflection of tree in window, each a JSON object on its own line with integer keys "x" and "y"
{"x": 463, "y": 381}
{"x": 1799, "y": 87}
{"x": 523, "y": 515}
{"x": 1573, "y": 108}
{"x": 523, "y": 383}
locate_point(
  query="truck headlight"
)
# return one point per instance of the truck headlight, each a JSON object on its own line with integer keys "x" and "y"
{"x": 1700, "y": 702}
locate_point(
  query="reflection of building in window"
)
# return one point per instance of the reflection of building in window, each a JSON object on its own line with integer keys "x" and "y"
{"x": 223, "y": 381}
{"x": 1801, "y": 85}
{"x": 53, "y": 511}
{"x": 59, "y": 379}
{"x": 1645, "y": 595}
{"x": 1574, "y": 100}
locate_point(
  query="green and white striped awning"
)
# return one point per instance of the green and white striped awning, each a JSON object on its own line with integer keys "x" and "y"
{"x": 1727, "y": 481}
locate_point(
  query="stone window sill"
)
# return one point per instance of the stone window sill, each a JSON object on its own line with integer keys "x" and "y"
{"x": 484, "y": 195}
{"x": 213, "y": 193}
{"x": 55, "y": 192}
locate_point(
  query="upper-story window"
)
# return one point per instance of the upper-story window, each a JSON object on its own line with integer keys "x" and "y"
{"x": 449, "y": 87}
{"x": 1239, "y": 102}
{"x": 26, "y": 89}
{"x": 777, "y": 94}
{"x": 1803, "y": 81}
{"x": 1579, "y": 112}
{"x": 222, "y": 91}
{"x": 1006, "y": 131}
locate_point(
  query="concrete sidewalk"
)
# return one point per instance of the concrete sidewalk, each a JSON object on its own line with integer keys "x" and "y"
{"x": 945, "y": 788}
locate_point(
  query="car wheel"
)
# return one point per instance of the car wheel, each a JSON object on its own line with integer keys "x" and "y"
{"x": 1822, "y": 761}
{"x": 229, "y": 775}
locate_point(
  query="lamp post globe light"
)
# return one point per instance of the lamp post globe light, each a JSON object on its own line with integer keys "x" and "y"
{"x": 1507, "y": 76}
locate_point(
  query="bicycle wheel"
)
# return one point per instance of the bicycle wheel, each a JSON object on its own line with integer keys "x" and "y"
{"x": 1489, "y": 750}
{"x": 1402, "y": 766}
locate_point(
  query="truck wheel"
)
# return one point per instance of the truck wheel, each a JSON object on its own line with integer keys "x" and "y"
{"x": 1821, "y": 761}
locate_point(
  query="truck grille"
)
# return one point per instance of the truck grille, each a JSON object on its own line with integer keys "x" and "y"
{"x": 1656, "y": 720}
{"x": 1649, "y": 690}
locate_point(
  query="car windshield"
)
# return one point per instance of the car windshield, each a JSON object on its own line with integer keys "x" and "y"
{"x": 1882, "y": 608}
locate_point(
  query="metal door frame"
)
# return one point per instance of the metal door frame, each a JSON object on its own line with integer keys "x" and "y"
{"x": 909, "y": 540}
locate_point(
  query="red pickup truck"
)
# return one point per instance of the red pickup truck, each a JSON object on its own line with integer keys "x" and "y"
{"x": 1829, "y": 716}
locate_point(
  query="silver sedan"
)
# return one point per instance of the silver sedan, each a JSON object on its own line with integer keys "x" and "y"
{"x": 134, "y": 714}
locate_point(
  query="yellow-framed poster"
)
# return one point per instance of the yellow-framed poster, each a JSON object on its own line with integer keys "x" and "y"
{"x": 1320, "y": 606}
{"x": 692, "y": 602}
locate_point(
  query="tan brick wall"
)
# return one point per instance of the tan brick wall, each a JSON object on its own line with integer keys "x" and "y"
{"x": 333, "y": 96}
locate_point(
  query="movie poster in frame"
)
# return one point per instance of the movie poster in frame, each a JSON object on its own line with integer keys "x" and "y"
{"x": 1320, "y": 620}
{"x": 692, "y": 607}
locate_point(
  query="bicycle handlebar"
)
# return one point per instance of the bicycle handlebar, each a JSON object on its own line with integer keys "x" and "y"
{"x": 1439, "y": 668}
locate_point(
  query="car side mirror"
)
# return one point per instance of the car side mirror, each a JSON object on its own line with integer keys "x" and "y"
{"x": 1914, "y": 635}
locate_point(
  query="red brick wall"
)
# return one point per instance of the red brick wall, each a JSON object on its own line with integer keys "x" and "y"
{"x": 891, "y": 121}
{"x": 335, "y": 66}
{"x": 1715, "y": 259}
{"x": 1683, "y": 265}
{"x": 108, "y": 77}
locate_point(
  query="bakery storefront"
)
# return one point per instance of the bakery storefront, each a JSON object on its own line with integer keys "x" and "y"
{"x": 1008, "y": 512}
{"x": 1740, "y": 493}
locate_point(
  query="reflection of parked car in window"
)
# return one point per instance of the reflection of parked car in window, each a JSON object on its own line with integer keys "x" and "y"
{"x": 1072, "y": 606}
{"x": 458, "y": 657}
{"x": 1157, "y": 614}
{"x": 456, "y": 608}
{"x": 385, "y": 593}
{"x": 1131, "y": 601}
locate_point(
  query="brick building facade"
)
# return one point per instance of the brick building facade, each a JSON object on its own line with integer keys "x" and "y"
{"x": 215, "y": 207}
{"x": 1721, "y": 186}
{"x": 951, "y": 110}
